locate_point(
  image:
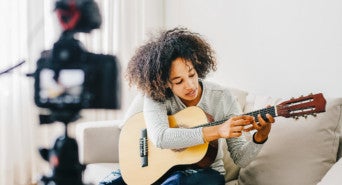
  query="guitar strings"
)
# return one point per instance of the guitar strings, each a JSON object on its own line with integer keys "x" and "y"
{"x": 263, "y": 112}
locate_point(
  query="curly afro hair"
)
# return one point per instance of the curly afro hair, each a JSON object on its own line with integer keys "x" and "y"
{"x": 150, "y": 66}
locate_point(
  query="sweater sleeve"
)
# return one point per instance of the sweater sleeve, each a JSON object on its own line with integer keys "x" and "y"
{"x": 161, "y": 135}
{"x": 242, "y": 152}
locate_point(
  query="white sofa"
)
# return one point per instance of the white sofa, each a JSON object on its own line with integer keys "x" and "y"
{"x": 298, "y": 152}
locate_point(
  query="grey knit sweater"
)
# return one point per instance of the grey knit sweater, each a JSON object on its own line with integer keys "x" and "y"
{"x": 216, "y": 101}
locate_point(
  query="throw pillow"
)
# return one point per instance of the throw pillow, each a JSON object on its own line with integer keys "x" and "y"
{"x": 298, "y": 152}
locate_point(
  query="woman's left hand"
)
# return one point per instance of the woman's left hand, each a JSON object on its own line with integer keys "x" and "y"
{"x": 263, "y": 128}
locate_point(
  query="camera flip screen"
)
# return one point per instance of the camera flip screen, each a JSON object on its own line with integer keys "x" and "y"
{"x": 67, "y": 89}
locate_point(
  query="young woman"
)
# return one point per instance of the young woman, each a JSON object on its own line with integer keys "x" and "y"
{"x": 169, "y": 71}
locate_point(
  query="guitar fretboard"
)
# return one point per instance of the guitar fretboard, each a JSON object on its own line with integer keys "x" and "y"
{"x": 262, "y": 112}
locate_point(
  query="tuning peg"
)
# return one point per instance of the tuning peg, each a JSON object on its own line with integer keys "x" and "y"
{"x": 305, "y": 116}
{"x": 295, "y": 117}
{"x": 314, "y": 114}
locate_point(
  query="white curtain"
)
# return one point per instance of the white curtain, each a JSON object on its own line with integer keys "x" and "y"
{"x": 17, "y": 117}
{"x": 29, "y": 27}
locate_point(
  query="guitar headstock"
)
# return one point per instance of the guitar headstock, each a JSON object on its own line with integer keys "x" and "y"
{"x": 302, "y": 106}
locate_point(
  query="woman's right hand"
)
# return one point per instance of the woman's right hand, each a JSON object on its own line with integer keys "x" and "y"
{"x": 234, "y": 126}
{"x": 229, "y": 129}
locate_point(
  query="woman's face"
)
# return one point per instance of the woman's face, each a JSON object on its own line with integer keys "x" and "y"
{"x": 184, "y": 82}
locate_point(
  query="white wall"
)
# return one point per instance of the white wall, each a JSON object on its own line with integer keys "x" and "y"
{"x": 283, "y": 48}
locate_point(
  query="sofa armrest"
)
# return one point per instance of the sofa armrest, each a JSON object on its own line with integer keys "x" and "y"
{"x": 98, "y": 141}
{"x": 333, "y": 176}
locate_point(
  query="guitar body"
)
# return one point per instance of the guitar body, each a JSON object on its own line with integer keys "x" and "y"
{"x": 160, "y": 161}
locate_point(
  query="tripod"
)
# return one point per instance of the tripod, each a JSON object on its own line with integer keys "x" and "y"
{"x": 63, "y": 156}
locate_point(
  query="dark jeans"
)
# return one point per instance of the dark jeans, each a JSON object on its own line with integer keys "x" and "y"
{"x": 205, "y": 176}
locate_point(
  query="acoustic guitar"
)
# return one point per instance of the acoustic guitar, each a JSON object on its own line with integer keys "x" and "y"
{"x": 143, "y": 163}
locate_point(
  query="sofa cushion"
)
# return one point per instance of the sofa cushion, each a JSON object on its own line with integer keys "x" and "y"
{"x": 240, "y": 96}
{"x": 96, "y": 172}
{"x": 98, "y": 141}
{"x": 297, "y": 151}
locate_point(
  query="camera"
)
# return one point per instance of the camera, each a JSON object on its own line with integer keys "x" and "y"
{"x": 68, "y": 79}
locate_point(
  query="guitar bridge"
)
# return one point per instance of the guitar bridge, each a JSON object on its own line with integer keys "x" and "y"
{"x": 143, "y": 148}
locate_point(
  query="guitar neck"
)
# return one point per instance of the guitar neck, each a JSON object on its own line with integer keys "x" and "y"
{"x": 262, "y": 112}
